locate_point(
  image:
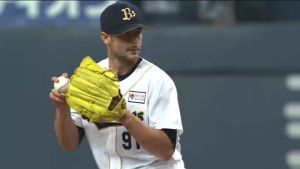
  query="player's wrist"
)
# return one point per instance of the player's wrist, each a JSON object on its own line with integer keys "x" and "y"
{"x": 125, "y": 119}
{"x": 63, "y": 111}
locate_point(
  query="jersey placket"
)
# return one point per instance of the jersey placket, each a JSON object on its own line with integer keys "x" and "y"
{"x": 115, "y": 159}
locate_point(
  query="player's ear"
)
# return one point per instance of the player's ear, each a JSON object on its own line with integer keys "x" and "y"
{"x": 105, "y": 37}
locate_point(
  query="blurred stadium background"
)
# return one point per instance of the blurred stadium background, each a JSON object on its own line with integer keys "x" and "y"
{"x": 236, "y": 65}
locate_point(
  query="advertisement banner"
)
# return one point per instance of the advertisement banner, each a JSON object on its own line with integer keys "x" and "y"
{"x": 51, "y": 13}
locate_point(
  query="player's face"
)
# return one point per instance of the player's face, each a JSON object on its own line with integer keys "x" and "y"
{"x": 127, "y": 45}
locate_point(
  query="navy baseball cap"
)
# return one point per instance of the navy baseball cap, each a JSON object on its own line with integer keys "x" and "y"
{"x": 121, "y": 17}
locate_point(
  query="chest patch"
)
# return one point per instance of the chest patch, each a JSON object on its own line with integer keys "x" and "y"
{"x": 137, "y": 97}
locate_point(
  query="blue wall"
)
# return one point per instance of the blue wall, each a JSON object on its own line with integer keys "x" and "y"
{"x": 231, "y": 83}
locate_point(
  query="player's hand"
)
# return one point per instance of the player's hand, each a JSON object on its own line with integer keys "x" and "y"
{"x": 58, "y": 100}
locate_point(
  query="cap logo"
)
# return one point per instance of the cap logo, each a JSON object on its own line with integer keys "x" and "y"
{"x": 128, "y": 14}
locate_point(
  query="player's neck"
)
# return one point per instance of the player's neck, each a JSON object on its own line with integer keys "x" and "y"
{"x": 122, "y": 67}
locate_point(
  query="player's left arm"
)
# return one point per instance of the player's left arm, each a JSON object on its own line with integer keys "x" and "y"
{"x": 153, "y": 140}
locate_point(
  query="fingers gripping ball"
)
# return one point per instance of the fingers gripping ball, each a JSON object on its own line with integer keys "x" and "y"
{"x": 95, "y": 93}
{"x": 61, "y": 86}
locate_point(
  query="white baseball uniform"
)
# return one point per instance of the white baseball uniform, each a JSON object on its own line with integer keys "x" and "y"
{"x": 151, "y": 95}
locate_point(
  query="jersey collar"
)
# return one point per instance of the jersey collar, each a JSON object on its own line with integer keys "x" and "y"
{"x": 122, "y": 77}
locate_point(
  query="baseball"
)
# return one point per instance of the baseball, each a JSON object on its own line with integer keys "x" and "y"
{"x": 62, "y": 85}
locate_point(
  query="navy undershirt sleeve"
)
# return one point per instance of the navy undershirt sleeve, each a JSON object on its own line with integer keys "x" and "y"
{"x": 172, "y": 134}
{"x": 81, "y": 133}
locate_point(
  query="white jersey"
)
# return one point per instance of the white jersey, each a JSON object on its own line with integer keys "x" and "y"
{"x": 151, "y": 95}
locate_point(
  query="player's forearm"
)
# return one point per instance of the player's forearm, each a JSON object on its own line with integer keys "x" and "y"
{"x": 66, "y": 132}
{"x": 153, "y": 140}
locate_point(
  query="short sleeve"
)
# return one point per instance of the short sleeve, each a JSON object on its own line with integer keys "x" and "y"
{"x": 163, "y": 108}
{"x": 77, "y": 118}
